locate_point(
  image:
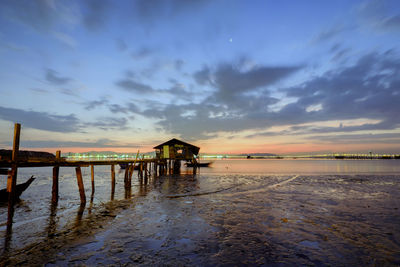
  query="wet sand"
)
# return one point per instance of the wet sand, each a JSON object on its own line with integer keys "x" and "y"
{"x": 234, "y": 219}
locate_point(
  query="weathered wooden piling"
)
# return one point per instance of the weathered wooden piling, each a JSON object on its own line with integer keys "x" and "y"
{"x": 155, "y": 168}
{"x": 56, "y": 172}
{"x": 168, "y": 156}
{"x": 80, "y": 185}
{"x": 112, "y": 181}
{"x": 12, "y": 176}
{"x": 92, "y": 176}
{"x": 177, "y": 166}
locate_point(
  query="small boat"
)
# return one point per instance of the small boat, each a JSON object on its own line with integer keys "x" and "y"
{"x": 19, "y": 189}
{"x": 124, "y": 165}
{"x": 199, "y": 164}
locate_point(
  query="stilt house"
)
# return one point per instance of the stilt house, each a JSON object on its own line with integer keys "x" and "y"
{"x": 177, "y": 150}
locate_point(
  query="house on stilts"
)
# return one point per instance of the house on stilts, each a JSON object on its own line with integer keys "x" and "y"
{"x": 174, "y": 151}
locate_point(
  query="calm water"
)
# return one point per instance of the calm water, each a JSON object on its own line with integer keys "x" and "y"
{"x": 304, "y": 166}
{"x": 243, "y": 212}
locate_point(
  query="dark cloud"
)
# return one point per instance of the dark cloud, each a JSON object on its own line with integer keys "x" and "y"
{"x": 154, "y": 10}
{"x": 368, "y": 89}
{"x": 392, "y": 23}
{"x": 329, "y": 34}
{"x": 128, "y": 108}
{"x": 110, "y": 123}
{"x": 130, "y": 85}
{"x": 41, "y": 120}
{"x": 232, "y": 82}
{"x": 240, "y": 101}
{"x": 95, "y": 13}
{"x": 95, "y": 104}
{"x": 142, "y": 53}
{"x": 101, "y": 143}
{"x": 203, "y": 76}
{"x": 179, "y": 64}
{"x": 37, "y": 14}
{"x": 54, "y": 78}
{"x": 378, "y": 15}
{"x": 340, "y": 55}
{"x": 67, "y": 91}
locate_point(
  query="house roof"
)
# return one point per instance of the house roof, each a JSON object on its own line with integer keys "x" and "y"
{"x": 174, "y": 141}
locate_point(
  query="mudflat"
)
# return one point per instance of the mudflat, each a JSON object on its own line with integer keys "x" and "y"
{"x": 231, "y": 219}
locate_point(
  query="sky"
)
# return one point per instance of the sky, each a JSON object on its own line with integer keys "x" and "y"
{"x": 230, "y": 76}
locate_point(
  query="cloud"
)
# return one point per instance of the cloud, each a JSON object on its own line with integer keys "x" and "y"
{"x": 38, "y": 14}
{"x": 142, "y": 53}
{"x": 130, "y": 85}
{"x": 100, "y": 143}
{"x": 391, "y": 23}
{"x": 96, "y": 13}
{"x": 54, "y": 78}
{"x": 368, "y": 89}
{"x": 203, "y": 76}
{"x": 129, "y": 108}
{"x": 179, "y": 64}
{"x": 154, "y": 10}
{"x": 329, "y": 34}
{"x": 340, "y": 55}
{"x": 386, "y": 138}
{"x": 379, "y": 16}
{"x": 41, "y": 120}
{"x": 95, "y": 104}
{"x": 109, "y": 123}
{"x": 240, "y": 100}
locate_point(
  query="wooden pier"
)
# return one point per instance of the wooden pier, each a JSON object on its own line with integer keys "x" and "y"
{"x": 9, "y": 167}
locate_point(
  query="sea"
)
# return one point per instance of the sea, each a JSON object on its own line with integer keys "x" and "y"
{"x": 238, "y": 212}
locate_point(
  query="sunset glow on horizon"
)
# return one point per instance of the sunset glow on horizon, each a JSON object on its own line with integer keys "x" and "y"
{"x": 232, "y": 77}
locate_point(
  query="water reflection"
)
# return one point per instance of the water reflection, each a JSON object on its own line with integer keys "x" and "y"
{"x": 301, "y": 166}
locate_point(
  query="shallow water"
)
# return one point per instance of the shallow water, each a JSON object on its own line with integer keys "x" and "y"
{"x": 240, "y": 212}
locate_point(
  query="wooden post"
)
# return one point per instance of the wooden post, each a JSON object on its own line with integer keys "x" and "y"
{"x": 126, "y": 175}
{"x": 80, "y": 185}
{"x": 92, "y": 172}
{"x": 112, "y": 181}
{"x": 12, "y": 176}
{"x": 141, "y": 169}
{"x": 133, "y": 168}
{"x": 56, "y": 171}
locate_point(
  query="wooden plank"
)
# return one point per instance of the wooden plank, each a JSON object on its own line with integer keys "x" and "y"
{"x": 80, "y": 184}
